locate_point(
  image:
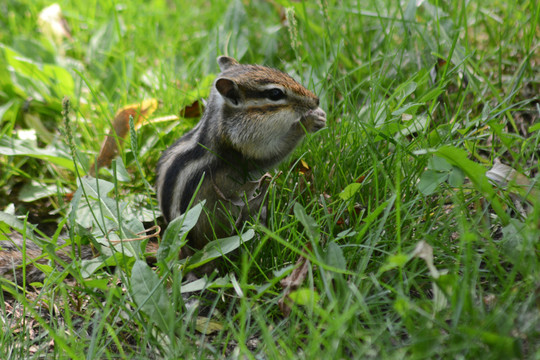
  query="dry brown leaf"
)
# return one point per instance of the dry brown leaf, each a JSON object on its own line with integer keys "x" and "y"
{"x": 360, "y": 180}
{"x": 120, "y": 124}
{"x": 292, "y": 283}
{"x": 192, "y": 111}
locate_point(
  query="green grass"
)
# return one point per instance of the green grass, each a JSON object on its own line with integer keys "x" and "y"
{"x": 420, "y": 103}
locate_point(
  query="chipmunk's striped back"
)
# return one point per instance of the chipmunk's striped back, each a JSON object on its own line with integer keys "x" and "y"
{"x": 254, "y": 118}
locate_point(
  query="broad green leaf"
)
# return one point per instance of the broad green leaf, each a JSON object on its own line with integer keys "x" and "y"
{"x": 218, "y": 248}
{"x": 389, "y": 129}
{"x": 456, "y": 177}
{"x": 52, "y": 82}
{"x": 34, "y": 122}
{"x": 89, "y": 267}
{"x": 121, "y": 173}
{"x": 13, "y": 222}
{"x": 430, "y": 180}
{"x": 409, "y": 89}
{"x": 201, "y": 284}
{"x": 334, "y": 256}
{"x": 96, "y": 187}
{"x": 304, "y": 296}
{"x": 99, "y": 284}
{"x": 439, "y": 164}
{"x": 5, "y": 107}
{"x": 60, "y": 79}
{"x": 177, "y": 230}
{"x": 131, "y": 228}
{"x": 150, "y": 295}
{"x": 311, "y": 226}
{"x": 349, "y": 191}
{"x": 403, "y": 90}
{"x": 33, "y": 191}
{"x": 32, "y": 48}
{"x": 535, "y": 127}
{"x": 346, "y": 233}
{"x": 405, "y": 108}
{"x": 447, "y": 283}
{"x": 16, "y": 147}
{"x": 97, "y": 208}
{"x": 418, "y": 125}
{"x": 394, "y": 261}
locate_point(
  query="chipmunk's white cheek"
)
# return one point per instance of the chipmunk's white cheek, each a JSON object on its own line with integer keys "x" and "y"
{"x": 280, "y": 123}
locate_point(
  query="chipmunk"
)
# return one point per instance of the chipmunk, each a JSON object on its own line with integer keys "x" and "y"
{"x": 254, "y": 118}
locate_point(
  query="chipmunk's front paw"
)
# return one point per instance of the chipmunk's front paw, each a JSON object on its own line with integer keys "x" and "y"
{"x": 314, "y": 120}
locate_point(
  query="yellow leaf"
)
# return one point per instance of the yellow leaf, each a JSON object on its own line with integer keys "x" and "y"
{"x": 207, "y": 326}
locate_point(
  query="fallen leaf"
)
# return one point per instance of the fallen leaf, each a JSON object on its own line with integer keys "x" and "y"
{"x": 140, "y": 112}
{"x": 490, "y": 300}
{"x": 424, "y": 251}
{"x": 298, "y": 275}
{"x": 517, "y": 183}
{"x": 120, "y": 125}
{"x": 292, "y": 283}
{"x": 504, "y": 175}
{"x": 33, "y": 349}
{"x": 192, "y": 111}
{"x": 303, "y": 167}
{"x": 52, "y": 23}
{"x": 207, "y": 326}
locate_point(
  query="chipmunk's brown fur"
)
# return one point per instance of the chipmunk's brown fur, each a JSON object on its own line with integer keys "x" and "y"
{"x": 254, "y": 118}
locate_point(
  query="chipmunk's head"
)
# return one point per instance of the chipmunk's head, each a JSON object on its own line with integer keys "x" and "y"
{"x": 269, "y": 99}
{"x": 248, "y": 85}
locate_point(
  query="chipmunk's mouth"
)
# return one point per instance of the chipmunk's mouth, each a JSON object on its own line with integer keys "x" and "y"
{"x": 318, "y": 112}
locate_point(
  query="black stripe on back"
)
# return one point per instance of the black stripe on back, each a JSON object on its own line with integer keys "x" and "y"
{"x": 191, "y": 185}
{"x": 172, "y": 173}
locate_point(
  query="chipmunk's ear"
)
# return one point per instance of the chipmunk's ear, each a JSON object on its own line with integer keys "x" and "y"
{"x": 229, "y": 90}
{"x": 226, "y": 62}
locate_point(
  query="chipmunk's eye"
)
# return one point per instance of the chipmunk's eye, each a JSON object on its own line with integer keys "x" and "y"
{"x": 274, "y": 94}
